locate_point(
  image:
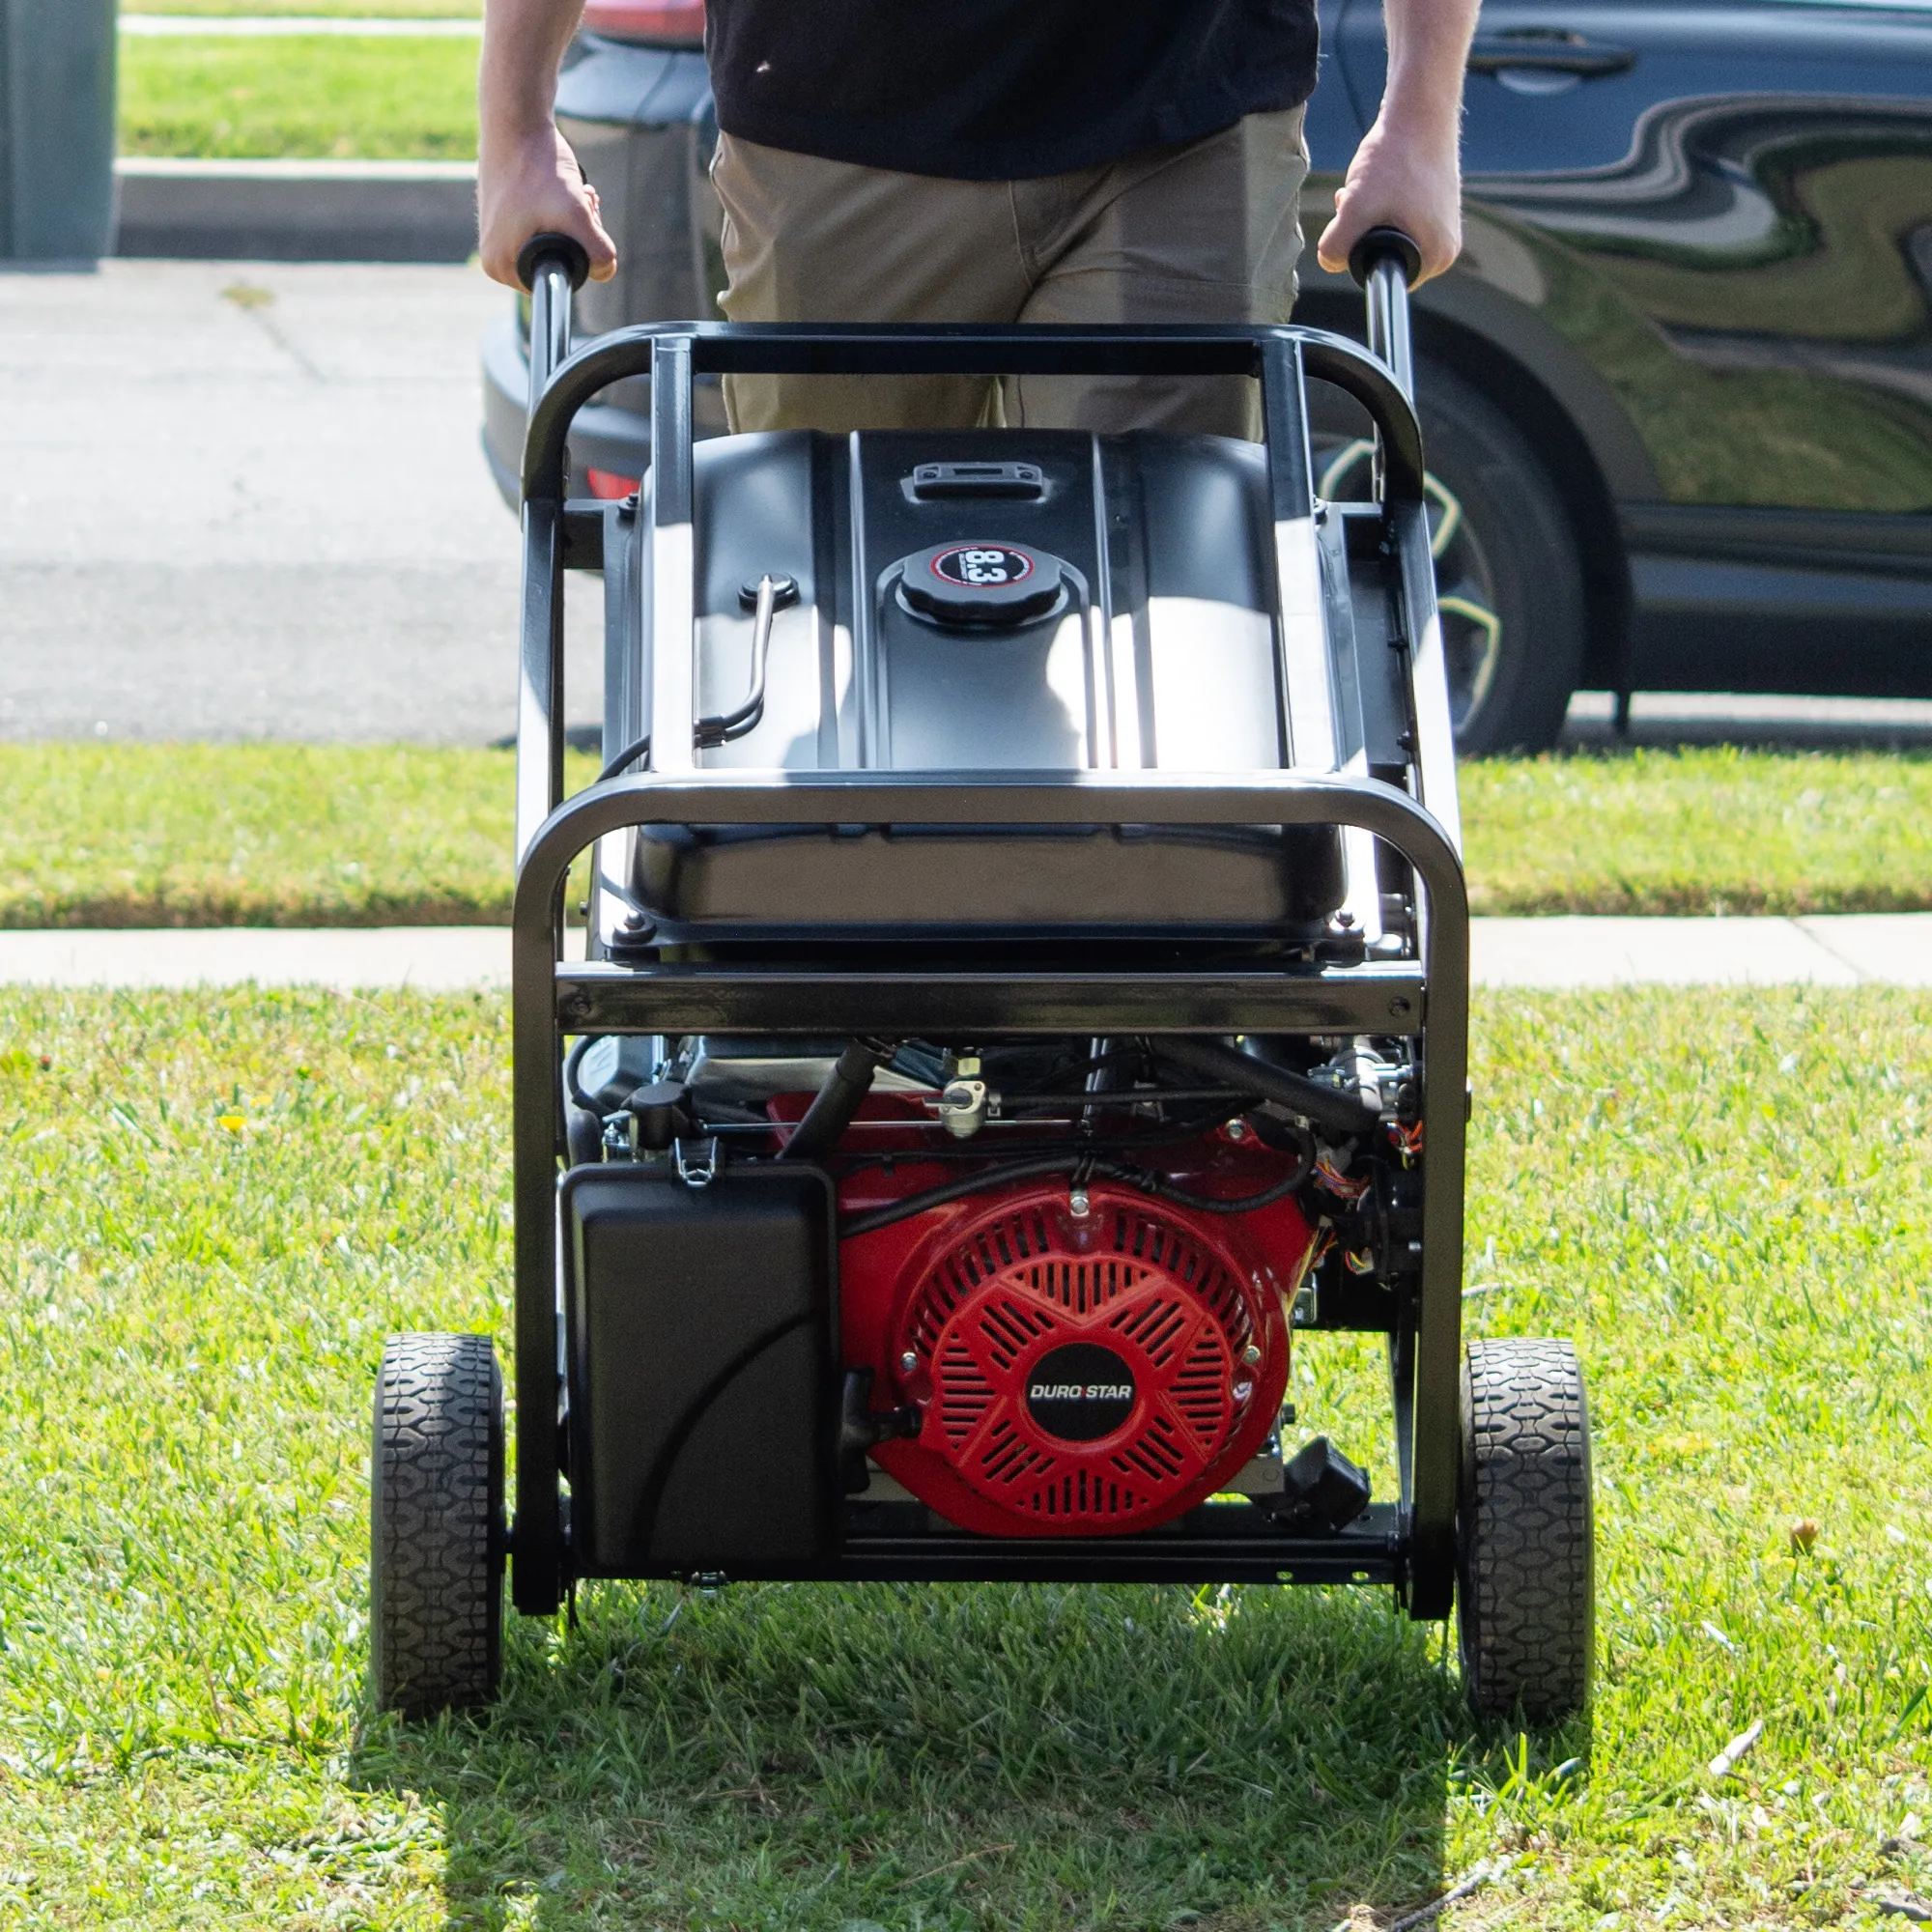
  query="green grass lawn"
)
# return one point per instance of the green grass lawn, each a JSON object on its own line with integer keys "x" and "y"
{"x": 216, "y": 1206}
{"x": 256, "y": 835}
{"x": 1700, "y": 831}
{"x": 291, "y": 834}
{"x": 329, "y": 95}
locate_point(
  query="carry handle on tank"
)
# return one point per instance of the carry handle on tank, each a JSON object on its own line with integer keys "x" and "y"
{"x": 551, "y": 267}
{"x": 1384, "y": 262}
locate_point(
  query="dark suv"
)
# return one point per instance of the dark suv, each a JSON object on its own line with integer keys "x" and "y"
{"x": 1678, "y": 393}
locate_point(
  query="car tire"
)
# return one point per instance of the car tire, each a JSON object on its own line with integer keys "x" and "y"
{"x": 1525, "y": 1590}
{"x": 1507, "y": 578}
{"x": 436, "y": 1544}
{"x": 1516, "y": 554}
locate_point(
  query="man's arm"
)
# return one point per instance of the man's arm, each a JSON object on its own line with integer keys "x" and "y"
{"x": 528, "y": 181}
{"x": 1407, "y": 173}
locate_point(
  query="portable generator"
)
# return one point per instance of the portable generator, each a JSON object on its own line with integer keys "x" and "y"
{"x": 1024, "y": 996}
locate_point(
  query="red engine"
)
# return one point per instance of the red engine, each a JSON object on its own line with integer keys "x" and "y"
{"x": 1086, "y": 1362}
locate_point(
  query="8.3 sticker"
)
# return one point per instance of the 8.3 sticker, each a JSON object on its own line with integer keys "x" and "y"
{"x": 981, "y": 567}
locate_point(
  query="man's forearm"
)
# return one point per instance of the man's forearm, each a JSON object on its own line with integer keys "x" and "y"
{"x": 516, "y": 78}
{"x": 528, "y": 181}
{"x": 1407, "y": 172}
{"x": 1427, "y": 50}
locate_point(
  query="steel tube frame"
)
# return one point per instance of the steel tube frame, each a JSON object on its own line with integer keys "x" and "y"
{"x": 789, "y": 1004}
{"x": 1196, "y": 1551}
{"x": 860, "y": 349}
{"x": 549, "y": 999}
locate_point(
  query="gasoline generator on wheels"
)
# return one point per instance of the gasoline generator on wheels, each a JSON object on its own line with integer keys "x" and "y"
{"x": 1024, "y": 998}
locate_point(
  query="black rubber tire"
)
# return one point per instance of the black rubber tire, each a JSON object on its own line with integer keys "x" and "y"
{"x": 1528, "y": 554}
{"x": 1527, "y": 1588}
{"x": 435, "y": 1541}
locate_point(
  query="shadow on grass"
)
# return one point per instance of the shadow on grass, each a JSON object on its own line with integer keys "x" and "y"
{"x": 945, "y": 1756}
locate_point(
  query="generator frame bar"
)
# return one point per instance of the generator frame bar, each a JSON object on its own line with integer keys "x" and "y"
{"x": 672, "y": 353}
{"x": 1414, "y": 1547}
{"x": 1028, "y": 348}
{"x": 597, "y": 996}
{"x": 546, "y": 1002}
{"x": 1197, "y": 1549}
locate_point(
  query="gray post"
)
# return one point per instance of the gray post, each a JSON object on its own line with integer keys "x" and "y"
{"x": 56, "y": 129}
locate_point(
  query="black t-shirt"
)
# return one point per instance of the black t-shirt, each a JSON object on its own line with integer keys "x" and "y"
{"x": 999, "y": 90}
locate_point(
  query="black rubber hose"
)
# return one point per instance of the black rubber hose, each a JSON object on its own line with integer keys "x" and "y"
{"x": 904, "y": 1208}
{"x": 1131, "y": 1096}
{"x": 1326, "y": 1107}
{"x": 572, "y": 1061}
{"x": 950, "y": 1150}
{"x": 1085, "y": 1165}
{"x": 835, "y": 1104}
{"x": 625, "y": 758}
{"x": 1242, "y": 1204}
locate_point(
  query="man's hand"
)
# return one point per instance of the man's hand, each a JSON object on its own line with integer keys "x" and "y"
{"x": 1407, "y": 172}
{"x": 537, "y": 188}
{"x": 1397, "y": 181}
{"x": 528, "y": 181}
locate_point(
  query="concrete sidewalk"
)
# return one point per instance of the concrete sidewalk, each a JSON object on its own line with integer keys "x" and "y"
{"x": 1880, "y": 948}
{"x": 1841, "y": 950}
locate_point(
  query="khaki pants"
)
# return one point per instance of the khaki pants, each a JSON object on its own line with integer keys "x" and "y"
{"x": 1208, "y": 231}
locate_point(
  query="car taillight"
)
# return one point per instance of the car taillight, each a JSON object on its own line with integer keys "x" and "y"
{"x": 609, "y": 486}
{"x": 676, "y": 23}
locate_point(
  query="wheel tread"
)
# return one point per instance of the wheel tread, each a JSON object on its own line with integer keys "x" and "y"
{"x": 1527, "y": 1612}
{"x": 435, "y": 1564}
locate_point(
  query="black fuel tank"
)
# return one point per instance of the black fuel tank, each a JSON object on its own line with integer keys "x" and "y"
{"x": 991, "y": 601}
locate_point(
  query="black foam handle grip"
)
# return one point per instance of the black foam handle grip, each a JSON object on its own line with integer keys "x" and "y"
{"x": 565, "y": 251}
{"x": 1382, "y": 244}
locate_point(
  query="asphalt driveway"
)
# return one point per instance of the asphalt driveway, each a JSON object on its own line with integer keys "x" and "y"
{"x": 247, "y": 500}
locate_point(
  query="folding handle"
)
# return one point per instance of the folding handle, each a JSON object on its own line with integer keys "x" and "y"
{"x": 551, "y": 267}
{"x": 1383, "y": 263}
{"x": 1384, "y": 244}
{"x": 564, "y": 254}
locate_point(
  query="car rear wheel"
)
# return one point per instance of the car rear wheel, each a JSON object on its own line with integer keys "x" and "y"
{"x": 1507, "y": 577}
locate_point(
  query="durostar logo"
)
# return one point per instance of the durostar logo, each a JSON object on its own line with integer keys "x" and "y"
{"x": 1080, "y": 1392}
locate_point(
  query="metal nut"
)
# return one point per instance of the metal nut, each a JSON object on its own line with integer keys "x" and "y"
{"x": 962, "y": 1107}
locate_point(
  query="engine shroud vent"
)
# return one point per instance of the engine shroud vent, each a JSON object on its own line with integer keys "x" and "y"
{"x": 1082, "y": 1376}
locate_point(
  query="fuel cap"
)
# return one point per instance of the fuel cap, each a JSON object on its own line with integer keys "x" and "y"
{"x": 988, "y": 585}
